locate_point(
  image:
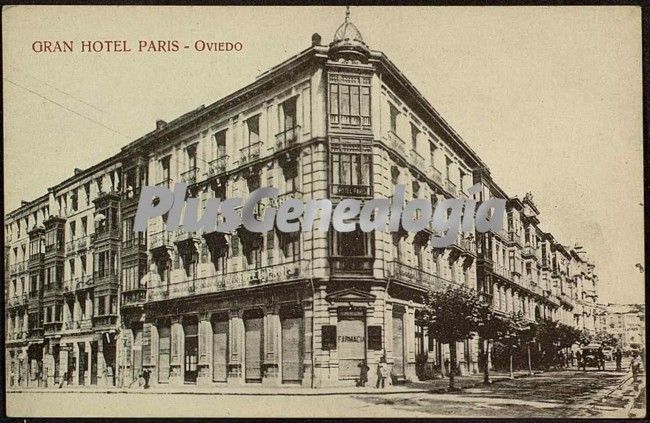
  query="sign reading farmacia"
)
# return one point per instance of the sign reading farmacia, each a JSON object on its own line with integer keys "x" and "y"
{"x": 379, "y": 214}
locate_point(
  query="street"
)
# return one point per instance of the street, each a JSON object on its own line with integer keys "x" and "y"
{"x": 567, "y": 393}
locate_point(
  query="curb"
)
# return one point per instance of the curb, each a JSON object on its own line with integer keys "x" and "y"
{"x": 305, "y": 392}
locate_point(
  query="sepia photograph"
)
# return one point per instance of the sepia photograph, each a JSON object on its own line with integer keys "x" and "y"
{"x": 323, "y": 211}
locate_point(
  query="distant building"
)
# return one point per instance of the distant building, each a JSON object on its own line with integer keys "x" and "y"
{"x": 627, "y": 323}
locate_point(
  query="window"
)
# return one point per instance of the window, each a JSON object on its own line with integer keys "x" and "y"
{"x": 448, "y": 163}
{"x": 291, "y": 178}
{"x": 253, "y": 125}
{"x": 432, "y": 153}
{"x": 84, "y": 227}
{"x": 415, "y": 132}
{"x": 328, "y": 337}
{"x": 220, "y": 140}
{"x": 166, "y": 168}
{"x": 394, "y": 113}
{"x": 287, "y": 115}
{"x": 350, "y": 100}
{"x": 351, "y": 173}
{"x": 353, "y": 244}
{"x": 74, "y": 197}
{"x": 191, "y": 157}
{"x": 73, "y": 230}
{"x": 290, "y": 244}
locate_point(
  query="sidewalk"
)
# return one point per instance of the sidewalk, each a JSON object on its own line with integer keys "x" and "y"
{"x": 431, "y": 386}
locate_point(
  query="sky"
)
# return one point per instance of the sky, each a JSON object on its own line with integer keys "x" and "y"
{"x": 549, "y": 97}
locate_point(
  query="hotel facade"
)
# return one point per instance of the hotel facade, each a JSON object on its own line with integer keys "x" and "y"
{"x": 91, "y": 302}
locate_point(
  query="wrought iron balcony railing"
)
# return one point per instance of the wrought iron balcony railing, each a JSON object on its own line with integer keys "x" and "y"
{"x": 250, "y": 153}
{"x": 189, "y": 176}
{"x": 287, "y": 138}
{"x": 217, "y": 166}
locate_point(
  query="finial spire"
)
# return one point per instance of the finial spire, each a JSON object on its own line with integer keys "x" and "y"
{"x": 347, "y": 13}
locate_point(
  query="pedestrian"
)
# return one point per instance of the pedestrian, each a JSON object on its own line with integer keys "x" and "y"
{"x": 571, "y": 358}
{"x": 382, "y": 372}
{"x": 561, "y": 359}
{"x": 600, "y": 356}
{"x": 63, "y": 379}
{"x": 618, "y": 356}
{"x": 363, "y": 373}
{"x": 635, "y": 365}
{"x": 146, "y": 374}
{"x": 579, "y": 359}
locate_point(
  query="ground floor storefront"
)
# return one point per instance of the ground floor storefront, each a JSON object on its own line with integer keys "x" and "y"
{"x": 307, "y": 333}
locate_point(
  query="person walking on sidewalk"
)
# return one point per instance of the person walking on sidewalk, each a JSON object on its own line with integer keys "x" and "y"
{"x": 382, "y": 372}
{"x": 635, "y": 366}
{"x": 618, "y": 356}
{"x": 363, "y": 373}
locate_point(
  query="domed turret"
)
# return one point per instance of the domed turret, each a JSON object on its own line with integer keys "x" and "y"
{"x": 348, "y": 42}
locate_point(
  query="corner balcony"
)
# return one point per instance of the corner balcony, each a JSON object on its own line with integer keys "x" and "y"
{"x": 514, "y": 238}
{"x": 217, "y": 166}
{"x": 405, "y": 273}
{"x": 361, "y": 266}
{"x": 189, "y": 176}
{"x": 134, "y": 297}
{"x": 250, "y": 153}
{"x": 287, "y": 138}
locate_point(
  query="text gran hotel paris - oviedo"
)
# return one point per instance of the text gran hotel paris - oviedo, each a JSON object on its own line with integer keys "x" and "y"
{"x": 90, "y": 300}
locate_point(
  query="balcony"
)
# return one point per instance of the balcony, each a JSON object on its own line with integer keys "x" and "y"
{"x": 217, "y": 166}
{"x": 52, "y": 327}
{"x": 351, "y": 190}
{"x": 351, "y": 265}
{"x": 159, "y": 240}
{"x": 105, "y": 278}
{"x": 396, "y": 143}
{"x": 451, "y": 187}
{"x": 503, "y": 272}
{"x": 189, "y": 176}
{"x": 78, "y": 325}
{"x": 83, "y": 282}
{"x": 287, "y": 138}
{"x": 17, "y": 300}
{"x": 16, "y": 336}
{"x": 417, "y": 160}
{"x": 250, "y": 153}
{"x": 167, "y": 183}
{"x": 70, "y": 247}
{"x": 82, "y": 243}
{"x": 14, "y": 268}
{"x": 408, "y": 274}
{"x": 528, "y": 252}
{"x": 514, "y": 237}
{"x": 227, "y": 281}
{"x": 436, "y": 176}
{"x": 35, "y": 333}
{"x": 105, "y": 321}
{"x": 134, "y": 297}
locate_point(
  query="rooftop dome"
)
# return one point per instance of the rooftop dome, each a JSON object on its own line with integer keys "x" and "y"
{"x": 348, "y": 41}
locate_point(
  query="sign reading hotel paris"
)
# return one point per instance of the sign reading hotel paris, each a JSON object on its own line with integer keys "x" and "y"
{"x": 323, "y": 211}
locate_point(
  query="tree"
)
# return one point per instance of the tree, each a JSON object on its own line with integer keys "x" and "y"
{"x": 452, "y": 315}
{"x": 516, "y": 329}
{"x": 491, "y": 329}
{"x": 585, "y": 337}
{"x": 606, "y": 339}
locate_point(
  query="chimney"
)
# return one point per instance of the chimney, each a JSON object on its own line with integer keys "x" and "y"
{"x": 77, "y": 170}
{"x": 315, "y": 39}
{"x": 23, "y": 203}
{"x": 160, "y": 123}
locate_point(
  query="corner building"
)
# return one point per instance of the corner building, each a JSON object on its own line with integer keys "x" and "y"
{"x": 334, "y": 121}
